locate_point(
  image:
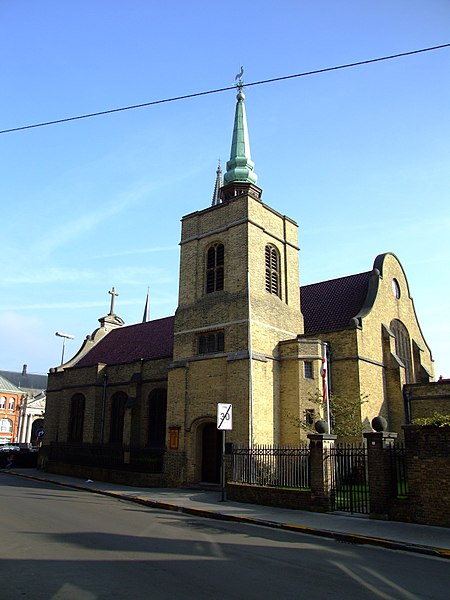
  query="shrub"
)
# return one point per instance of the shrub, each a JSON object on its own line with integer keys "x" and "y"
{"x": 438, "y": 420}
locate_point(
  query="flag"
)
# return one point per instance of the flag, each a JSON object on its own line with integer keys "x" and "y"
{"x": 324, "y": 375}
{"x": 146, "y": 310}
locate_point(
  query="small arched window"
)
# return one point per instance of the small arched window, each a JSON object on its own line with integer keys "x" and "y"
{"x": 272, "y": 260}
{"x": 76, "y": 419}
{"x": 157, "y": 411}
{"x": 215, "y": 268}
{"x": 118, "y": 403}
{"x": 2, "y": 401}
{"x": 11, "y": 404}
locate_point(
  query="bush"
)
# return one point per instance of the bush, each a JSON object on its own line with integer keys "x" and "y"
{"x": 438, "y": 420}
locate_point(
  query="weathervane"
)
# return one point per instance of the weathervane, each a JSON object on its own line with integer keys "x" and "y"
{"x": 238, "y": 78}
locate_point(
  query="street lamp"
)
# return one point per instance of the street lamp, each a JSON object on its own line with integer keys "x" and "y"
{"x": 64, "y": 336}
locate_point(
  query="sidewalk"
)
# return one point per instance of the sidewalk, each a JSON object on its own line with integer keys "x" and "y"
{"x": 343, "y": 527}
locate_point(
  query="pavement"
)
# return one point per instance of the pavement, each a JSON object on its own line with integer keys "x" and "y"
{"x": 356, "y": 529}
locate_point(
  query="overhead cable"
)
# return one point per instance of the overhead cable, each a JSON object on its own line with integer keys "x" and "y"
{"x": 224, "y": 89}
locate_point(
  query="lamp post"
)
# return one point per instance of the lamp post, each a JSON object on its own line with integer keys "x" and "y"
{"x": 64, "y": 336}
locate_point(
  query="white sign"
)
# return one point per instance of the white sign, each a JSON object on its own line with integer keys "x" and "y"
{"x": 224, "y": 416}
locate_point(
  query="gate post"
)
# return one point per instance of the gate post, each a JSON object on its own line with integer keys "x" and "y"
{"x": 379, "y": 471}
{"x": 321, "y": 466}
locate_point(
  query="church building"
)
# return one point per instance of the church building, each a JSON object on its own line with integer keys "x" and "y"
{"x": 244, "y": 333}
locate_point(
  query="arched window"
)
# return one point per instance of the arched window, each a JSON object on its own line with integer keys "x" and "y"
{"x": 118, "y": 403}
{"x": 215, "y": 268}
{"x": 11, "y": 404}
{"x": 2, "y": 401}
{"x": 272, "y": 260}
{"x": 403, "y": 347}
{"x": 76, "y": 419}
{"x": 157, "y": 409}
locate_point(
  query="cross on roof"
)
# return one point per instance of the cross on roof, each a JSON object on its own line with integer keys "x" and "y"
{"x": 113, "y": 294}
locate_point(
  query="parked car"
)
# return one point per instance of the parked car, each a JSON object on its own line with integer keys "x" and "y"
{"x": 9, "y": 448}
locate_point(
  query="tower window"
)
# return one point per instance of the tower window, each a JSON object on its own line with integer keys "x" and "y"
{"x": 214, "y": 268}
{"x": 308, "y": 369}
{"x": 272, "y": 260}
{"x": 211, "y": 342}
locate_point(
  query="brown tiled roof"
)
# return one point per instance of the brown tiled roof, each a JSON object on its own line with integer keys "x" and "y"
{"x": 150, "y": 340}
{"x": 330, "y": 305}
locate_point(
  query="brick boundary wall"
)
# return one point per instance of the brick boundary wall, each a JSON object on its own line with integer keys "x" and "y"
{"x": 269, "y": 496}
{"x": 428, "y": 465}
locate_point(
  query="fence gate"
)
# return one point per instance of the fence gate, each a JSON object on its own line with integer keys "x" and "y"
{"x": 349, "y": 481}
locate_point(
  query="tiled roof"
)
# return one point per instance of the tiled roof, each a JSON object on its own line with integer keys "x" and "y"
{"x": 150, "y": 340}
{"x": 330, "y": 305}
{"x": 7, "y": 386}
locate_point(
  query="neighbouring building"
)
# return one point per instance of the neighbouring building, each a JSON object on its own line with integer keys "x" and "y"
{"x": 26, "y": 419}
{"x": 244, "y": 333}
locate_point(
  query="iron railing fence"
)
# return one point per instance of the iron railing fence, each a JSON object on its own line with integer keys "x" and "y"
{"x": 108, "y": 456}
{"x": 347, "y": 466}
{"x": 399, "y": 471}
{"x": 271, "y": 466}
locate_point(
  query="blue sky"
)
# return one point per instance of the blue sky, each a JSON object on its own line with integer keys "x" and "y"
{"x": 359, "y": 158}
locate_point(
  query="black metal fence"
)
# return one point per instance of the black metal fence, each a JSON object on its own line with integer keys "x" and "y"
{"x": 271, "y": 466}
{"x": 399, "y": 471}
{"x": 108, "y": 456}
{"x": 349, "y": 478}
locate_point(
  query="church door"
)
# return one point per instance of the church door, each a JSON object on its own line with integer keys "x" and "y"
{"x": 211, "y": 453}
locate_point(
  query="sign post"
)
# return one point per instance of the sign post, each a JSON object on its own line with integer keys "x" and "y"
{"x": 224, "y": 423}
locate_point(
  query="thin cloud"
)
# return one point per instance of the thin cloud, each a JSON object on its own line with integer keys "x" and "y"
{"x": 137, "y": 251}
{"x": 48, "y": 275}
{"x": 68, "y": 232}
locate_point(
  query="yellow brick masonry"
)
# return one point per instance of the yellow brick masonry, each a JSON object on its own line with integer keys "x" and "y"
{"x": 244, "y": 226}
{"x": 363, "y": 358}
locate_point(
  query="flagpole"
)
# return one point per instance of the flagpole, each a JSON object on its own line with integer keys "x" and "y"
{"x": 250, "y": 360}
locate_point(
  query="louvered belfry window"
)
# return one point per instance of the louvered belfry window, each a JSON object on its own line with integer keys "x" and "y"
{"x": 214, "y": 268}
{"x": 272, "y": 271}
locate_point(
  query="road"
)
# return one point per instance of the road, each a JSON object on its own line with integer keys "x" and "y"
{"x": 59, "y": 543}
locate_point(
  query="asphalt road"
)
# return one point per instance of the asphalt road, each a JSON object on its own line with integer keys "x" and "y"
{"x": 58, "y": 543}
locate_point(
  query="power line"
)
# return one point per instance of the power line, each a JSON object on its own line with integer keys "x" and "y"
{"x": 225, "y": 89}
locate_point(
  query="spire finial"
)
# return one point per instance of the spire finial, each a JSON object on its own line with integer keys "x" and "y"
{"x": 146, "y": 307}
{"x": 216, "y": 199}
{"x": 240, "y": 165}
{"x": 238, "y": 78}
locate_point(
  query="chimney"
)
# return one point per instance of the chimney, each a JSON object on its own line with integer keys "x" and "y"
{"x": 24, "y": 370}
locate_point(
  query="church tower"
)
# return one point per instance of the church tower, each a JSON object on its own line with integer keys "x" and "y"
{"x": 238, "y": 298}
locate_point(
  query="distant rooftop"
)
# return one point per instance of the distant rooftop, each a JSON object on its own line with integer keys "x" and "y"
{"x": 24, "y": 381}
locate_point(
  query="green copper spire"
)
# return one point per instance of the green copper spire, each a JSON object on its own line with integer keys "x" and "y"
{"x": 240, "y": 165}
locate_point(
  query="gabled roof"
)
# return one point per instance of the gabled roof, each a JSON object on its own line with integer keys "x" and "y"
{"x": 7, "y": 386}
{"x": 331, "y": 305}
{"x": 147, "y": 341}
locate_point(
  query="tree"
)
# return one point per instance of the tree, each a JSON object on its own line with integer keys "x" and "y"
{"x": 345, "y": 415}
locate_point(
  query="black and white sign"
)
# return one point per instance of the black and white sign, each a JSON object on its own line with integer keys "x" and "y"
{"x": 224, "y": 416}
